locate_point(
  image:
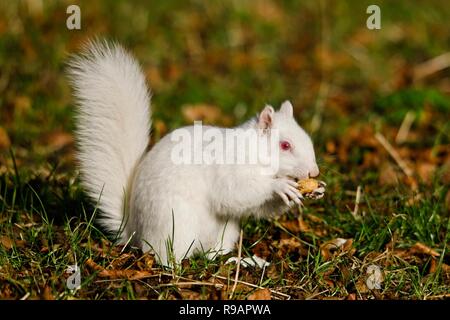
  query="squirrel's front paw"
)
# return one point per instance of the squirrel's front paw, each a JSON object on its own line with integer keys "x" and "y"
{"x": 287, "y": 189}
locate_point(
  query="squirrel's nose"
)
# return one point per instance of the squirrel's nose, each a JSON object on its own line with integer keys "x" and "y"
{"x": 314, "y": 172}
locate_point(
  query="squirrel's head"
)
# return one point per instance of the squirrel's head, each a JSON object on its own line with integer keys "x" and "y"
{"x": 296, "y": 152}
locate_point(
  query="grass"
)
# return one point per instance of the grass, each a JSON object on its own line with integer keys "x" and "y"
{"x": 230, "y": 58}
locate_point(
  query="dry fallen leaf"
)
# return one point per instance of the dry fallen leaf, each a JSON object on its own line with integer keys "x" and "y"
{"x": 314, "y": 218}
{"x": 117, "y": 274}
{"x": 269, "y": 11}
{"x": 292, "y": 226}
{"x": 189, "y": 294}
{"x": 5, "y": 142}
{"x": 9, "y": 243}
{"x": 361, "y": 286}
{"x": 204, "y": 112}
{"x": 154, "y": 77}
{"x": 47, "y": 294}
{"x": 260, "y": 294}
{"x": 22, "y": 104}
{"x": 351, "y": 296}
{"x": 262, "y": 250}
{"x": 422, "y": 248}
{"x": 388, "y": 174}
{"x": 160, "y": 127}
{"x": 329, "y": 248}
{"x": 6, "y": 242}
{"x": 318, "y": 229}
{"x": 146, "y": 262}
{"x": 121, "y": 261}
{"x": 414, "y": 199}
{"x": 149, "y": 260}
{"x": 444, "y": 267}
{"x": 58, "y": 140}
{"x": 426, "y": 171}
{"x": 290, "y": 245}
{"x": 303, "y": 225}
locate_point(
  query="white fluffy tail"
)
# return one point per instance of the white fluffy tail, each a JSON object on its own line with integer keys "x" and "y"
{"x": 113, "y": 125}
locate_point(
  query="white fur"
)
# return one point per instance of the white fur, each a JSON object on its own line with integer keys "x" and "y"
{"x": 113, "y": 124}
{"x": 192, "y": 207}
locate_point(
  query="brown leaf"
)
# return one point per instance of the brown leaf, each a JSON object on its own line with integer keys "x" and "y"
{"x": 348, "y": 245}
{"x": 154, "y": 77}
{"x": 424, "y": 249}
{"x": 331, "y": 147}
{"x": 433, "y": 266}
{"x": 426, "y": 171}
{"x": 189, "y": 294}
{"x": 446, "y": 268}
{"x": 269, "y": 11}
{"x": 22, "y": 104}
{"x": 411, "y": 182}
{"x": 327, "y": 281}
{"x": 220, "y": 291}
{"x": 362, "y": 36}
{"x": 117, "y": 274}
{"x": 173, "y": 72}
{"x": 314, "y": 218}
{"x": 5, "y": 142}
{"x": 330, "y": 248}
{"x": 207, "y": 113}
{"x": 300, "y": 225}
{"x": 292, "y": 226}
{"x": 160, "y": 127}
{"x": 146, "y": 262}
{"x": 58, "y": 140}
{"x": 262, "y": 250}
{"x": 303, "y": 225}
{"x": 414, "y": 199}
{"x": 260, "y": 294}
{"x": 329, "y": 59}
{"x": 124, "y": 274}
{"x": 94, "y": 266}
{"x": 290, "y": 245}
{"x": 121, "y": 261}
{"x": 388, "y": 175}
{"x": 361, "y": 286}
{"x": 297, "y": 226}
{"x": 47, "y": 294}
{"x": 149, "y": 260}
{"x": 293, "y": 62}
{"x": 406, "y": 254}
{"x": 351, "y": 296}
{"x": 6, "y": 242}
{"x": 9, "y": 243}
{"x": 140, "y": 291}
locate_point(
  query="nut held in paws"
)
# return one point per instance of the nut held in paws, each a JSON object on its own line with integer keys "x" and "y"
{"x": 311, "y": 188}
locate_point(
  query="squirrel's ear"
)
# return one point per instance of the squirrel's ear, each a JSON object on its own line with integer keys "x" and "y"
{"x": 265, "y": 118}
{"x": 287, "y": 108}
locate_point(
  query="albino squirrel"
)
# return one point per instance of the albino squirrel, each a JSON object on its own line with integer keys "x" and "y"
{"x": 176, "y": 210}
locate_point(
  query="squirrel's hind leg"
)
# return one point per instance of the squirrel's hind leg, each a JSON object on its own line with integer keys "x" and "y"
{"x": 228, "y": 235}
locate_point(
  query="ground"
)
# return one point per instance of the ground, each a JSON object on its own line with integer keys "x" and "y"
{"x": 376, "y": 103}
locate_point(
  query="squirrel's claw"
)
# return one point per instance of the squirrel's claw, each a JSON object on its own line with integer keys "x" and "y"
{"x": 284, "y": 198}
{"x": 287, "y": 190}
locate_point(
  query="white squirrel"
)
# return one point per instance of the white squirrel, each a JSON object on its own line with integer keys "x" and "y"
{"x": 176, "y": 210}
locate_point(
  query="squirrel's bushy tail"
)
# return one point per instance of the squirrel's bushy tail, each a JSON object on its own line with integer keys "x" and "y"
{"x": 112, "y": 125}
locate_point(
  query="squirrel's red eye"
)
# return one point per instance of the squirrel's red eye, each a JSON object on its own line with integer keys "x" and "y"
{"x": 284, "y": 145}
